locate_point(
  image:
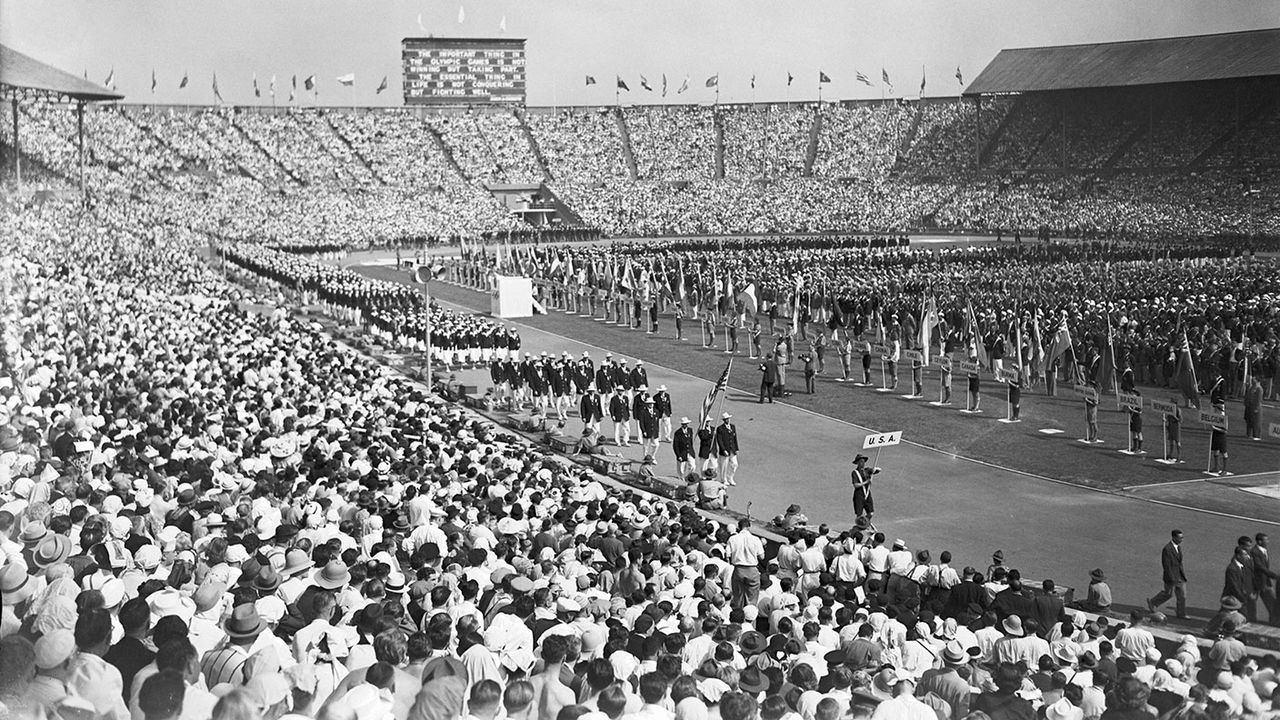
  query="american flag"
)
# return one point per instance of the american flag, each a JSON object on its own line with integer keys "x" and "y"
{"x": 714, "y": 394}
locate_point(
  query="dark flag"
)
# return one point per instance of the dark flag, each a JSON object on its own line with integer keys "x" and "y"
{"x": 216, "y": 94}
{"x": 790, "y": 77}
{"x": 822, "y": 77}
{"x": 922, "y": 76}
{"x": 184, "y": 81}
{"x": 591, "y": 80}
{"x": 256, "y": 92}
{"x": 622, "y": 84}
{"x": 153, "y": 81}
{"x": 959, "y": 77}
{"x": 884, "y": 77}
{"x": 664, "y": 84}
{"x": 110, "y": 76}
{"x": 1186, "y": 373}
{"x": 864, "y": 80}
{"x": 381, "y": 86}
{"x": 714, "y": 80}
{"x": 753, "y": 82}
{"x": 644, "y": 83}
{"x": 684, "y": 85}
{"x": 309, "y": 83}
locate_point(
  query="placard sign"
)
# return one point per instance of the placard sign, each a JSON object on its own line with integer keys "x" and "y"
{"x": 1126, "y": 400}
{"x": 1007, "y": 375}
{"x": 1162, "y": 406}
{"x": 943, "y": 362}
{"x": 1210, "y": 417}
{"x": 915, "y": 355}
{"x": 970, "y": 367}
{"x": 881, "y": 440}
{"x": 1086, "y": 392}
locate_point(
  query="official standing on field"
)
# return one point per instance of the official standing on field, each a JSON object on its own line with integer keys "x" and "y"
{"x": 682, "y": 446}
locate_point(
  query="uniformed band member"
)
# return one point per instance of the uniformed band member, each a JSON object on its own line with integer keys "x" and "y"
{"x": 620, "y": 414}
{"x": 682, "y": 446}
{"x": 662, "y": 406}
{"x": 726, "y": 442}
{"x": 863, "y": 504}
{"x": 706, "y": 446}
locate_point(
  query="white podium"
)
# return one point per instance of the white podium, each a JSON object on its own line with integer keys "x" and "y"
{"x": 512, "y": 297}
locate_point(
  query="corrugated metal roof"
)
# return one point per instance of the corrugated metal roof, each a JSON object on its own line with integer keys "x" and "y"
{"x": 1255, "y": 53}
{"x": 23, "y": 71}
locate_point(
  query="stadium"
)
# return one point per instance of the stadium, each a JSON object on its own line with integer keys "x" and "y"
{"x": 437, "y": 398}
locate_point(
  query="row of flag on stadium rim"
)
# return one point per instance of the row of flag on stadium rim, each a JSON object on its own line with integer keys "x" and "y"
{"x": 714, "y": 81}
{"x": 1037, "y": 347}
{"x": 309, "y": 83}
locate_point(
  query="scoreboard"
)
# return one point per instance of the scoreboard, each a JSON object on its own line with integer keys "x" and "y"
{"x": 462, "y": 71}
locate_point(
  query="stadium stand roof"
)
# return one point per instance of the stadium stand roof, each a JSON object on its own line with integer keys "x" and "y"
{"x": 1254, "y": 53}
{"x": 19, "y": 72}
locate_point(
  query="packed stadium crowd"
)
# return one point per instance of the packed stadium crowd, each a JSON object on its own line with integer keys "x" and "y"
{"x": 660, "y": 170}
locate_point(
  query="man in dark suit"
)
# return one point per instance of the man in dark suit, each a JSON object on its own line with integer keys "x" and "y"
{"x": 1173, "y": 576}
{"x": 1239, "y": 581}
{"x": 727, "y": 449}
{"x": 1264, "y": 578}
{"x": 682, "y": 446}
{"x": 590, "y": 409}
{"x": 768, "y": 377}
{"x": 1048, "y": 607}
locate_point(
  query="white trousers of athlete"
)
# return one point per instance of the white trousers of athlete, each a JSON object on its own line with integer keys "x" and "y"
{"x": 728, "y": 468}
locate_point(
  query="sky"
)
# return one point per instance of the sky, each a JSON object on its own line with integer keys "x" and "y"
{"x": 569, "y": 39}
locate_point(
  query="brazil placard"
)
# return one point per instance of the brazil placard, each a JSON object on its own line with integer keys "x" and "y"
{"x": 881, "y": 440}
{"x": 1128, "y": 401}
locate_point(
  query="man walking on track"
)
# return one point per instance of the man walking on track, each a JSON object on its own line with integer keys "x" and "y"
{"x": 768, "y": 378}
{"x": 682, "y": 445}
{"x": 863, "y": 504}
{"x": 727, "y": 449}
{"x": 745, "y": 553}
{"x": 1173, "y": 575}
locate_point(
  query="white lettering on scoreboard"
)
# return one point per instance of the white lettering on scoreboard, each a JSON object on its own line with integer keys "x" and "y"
{"x": 881, "y": 440}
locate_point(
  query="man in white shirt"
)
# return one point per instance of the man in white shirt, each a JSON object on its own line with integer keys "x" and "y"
{"x": 903, "y": 705}
{"x": 745, "y": 553}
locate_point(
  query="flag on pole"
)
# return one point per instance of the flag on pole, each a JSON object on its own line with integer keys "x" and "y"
{"x": 622, "y": 84}
{"x": 348, "y": 80}
{"x": 795, "y": 302}
{"x": 295, "y": 82}
{"x": 1058, "y": 346}
{"x": 684, "y": 85}
{"x": 884, "y": 77}
{"x": 922, "y": 78}
{"x": 153, "y": 81}
{"x": 664, "y": 84}
{"x": 753, "y": 81}
{"x": 864, "y": 80}
{"x": 256, "y": 91}
{"x": 959, "y": 76}
{"x": 1186, "y": 373}
{"x": 979, "y": 349}
{"x": 216, "y": 94}
{"x": 747, "y": 297}
{"x": 644, "y": 83}
{"x": 928, "y": 321}
{"x": 822, "y": 77}
{"x": 591, "y": 80}
{"x": 716, "y": 391}
{"x": 110, "y": 77}
{"x": 381, "y": 86}
{"x": 462, "y": 14}
{"x": 627, "y": 281}
{"x": 309, "y": 83}
{"x": 502, "y": 24}
{"x": 1037, "y": 346}
{"x": 272, "y": 87}
{"x": 790, "y": 77}
{"x": 421, "y": 26}
{"x": 1106, "y": 374}
{"x": 680, "y": 291}
{"x": 714, "y": 80}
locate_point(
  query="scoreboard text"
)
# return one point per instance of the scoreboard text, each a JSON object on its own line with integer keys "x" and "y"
{"x": 462, "y": 71}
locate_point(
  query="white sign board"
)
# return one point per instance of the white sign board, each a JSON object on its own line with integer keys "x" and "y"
{"x": 881, "y": 440}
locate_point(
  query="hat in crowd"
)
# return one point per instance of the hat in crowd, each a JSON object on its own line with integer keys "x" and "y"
{"x": 51, "y": 551}
{"x": 684, "y": 421}
{"x": 521, "y": 585}
{"x": 1097, "y": 575}
{"x": 725, "y": 416}
{"x": 207, "y": 595}
{"x": 267, "y": 580}
{"x": 1063, "y": 710}
{"x": 170, "y": 602}
{"x": 997, "y": 556}
{"x": 15, "y": 584}
{"x": 54, "y": 648}
{"x": 296, "y": 561}
{"x": 860, "y": 458}
{"x": 1088, "y": 660}
{"x": 753, "y": 681}
{"x": 32, "y": 534}
{"x": 1013, "y": 626}
{"x": 752, "y": 643}
{"x": 954, "y": 653}
{"x": 245, "y": 622}
{"x": 1066, "y": 655}
{"x": 1231, "y": 602}
{"x": 333, "y": 576}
